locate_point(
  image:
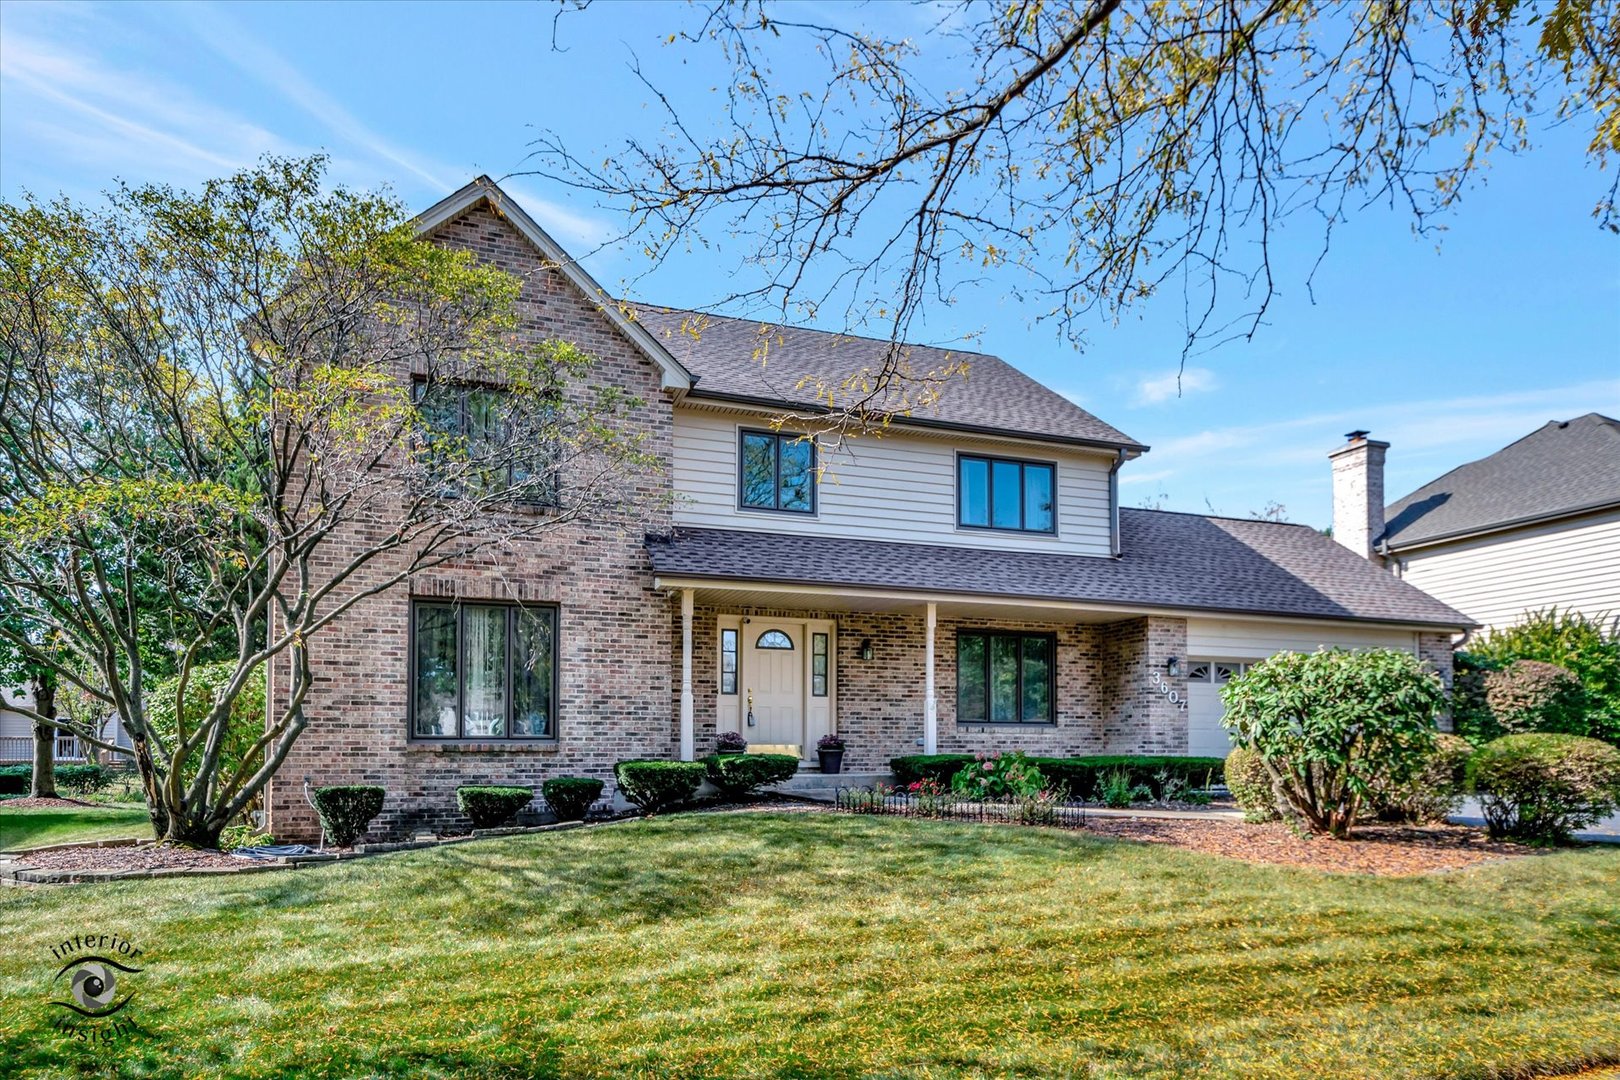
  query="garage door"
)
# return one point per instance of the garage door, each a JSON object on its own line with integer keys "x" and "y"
{"x": 1205, "y": 736}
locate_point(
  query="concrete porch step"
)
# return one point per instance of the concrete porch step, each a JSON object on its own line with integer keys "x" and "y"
{"x": 810, "y": 784}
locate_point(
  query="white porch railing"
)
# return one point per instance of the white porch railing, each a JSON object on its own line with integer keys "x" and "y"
{"x": 20, "y": 748}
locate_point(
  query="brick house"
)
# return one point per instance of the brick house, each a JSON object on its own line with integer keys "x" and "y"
{"x": 968, "y": 581}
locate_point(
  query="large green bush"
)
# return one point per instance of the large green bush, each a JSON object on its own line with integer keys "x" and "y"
{"x": 346, "y": 810}
{"x": 1542, "y": 787}
{"x": 1080, "y": 776}
{"x": 737, "y": 775}
{"x": 491, "y": 806}
{"x": 1431, "y": 793}
{"x": 86, "y": 779}
{"x": 1588, "y": 647}
{"x": 1250, "y": 784}
{"x": 656, "y": 785}
{"x": 570, "y": 797}
{"x": 1332, "y": 723}
{"x": 1533, "y": 695}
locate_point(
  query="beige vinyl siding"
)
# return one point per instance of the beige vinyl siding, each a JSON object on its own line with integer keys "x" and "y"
{"x": 1242, "y": 639}
{"x": 1495, "y": 580}
{"x": 900, "y": 487}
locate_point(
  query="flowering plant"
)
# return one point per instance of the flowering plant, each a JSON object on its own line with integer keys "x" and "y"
{"x": 997, "y": 775}
{"x": 731, "y": 741}
{"x": 830, "y": 742}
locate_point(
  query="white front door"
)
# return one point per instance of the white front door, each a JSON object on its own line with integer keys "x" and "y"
{"x": 773, "y": 682}
{"x": 1205, "y": 678}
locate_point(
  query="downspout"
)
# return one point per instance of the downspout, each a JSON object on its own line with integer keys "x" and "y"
{"x": 1113, "y": 502}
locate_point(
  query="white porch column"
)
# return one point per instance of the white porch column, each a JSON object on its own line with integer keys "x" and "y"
{"x": 687, "y": 751}
{"x": 930, "y": 707}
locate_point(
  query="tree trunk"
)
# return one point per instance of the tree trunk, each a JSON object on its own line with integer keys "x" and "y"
{"x": 156, "y": 809}
{"x": 43, "y": 784}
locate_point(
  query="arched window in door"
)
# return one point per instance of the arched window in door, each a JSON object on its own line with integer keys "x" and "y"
{"x": 773, "y": 639}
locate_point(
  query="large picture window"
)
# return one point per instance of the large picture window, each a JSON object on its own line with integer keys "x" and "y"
{"x": 1000, "y": 493}
{"x": 777, "y": 472}
{"x": 1004, "y": 678}
{"x": 483, "y": 671}
{"x": 476, "y": 445}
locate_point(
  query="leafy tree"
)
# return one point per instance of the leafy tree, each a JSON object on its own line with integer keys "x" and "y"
{"x": 1333, "y": 724}
{"x": 18, "y": 669}
{"x": 1589, "y": 647}
{"x": 227, "y": 417}
{"x": 1085, "y": 153}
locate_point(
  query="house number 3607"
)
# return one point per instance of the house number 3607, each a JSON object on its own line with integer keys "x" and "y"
{"x": 1171, "y": 693}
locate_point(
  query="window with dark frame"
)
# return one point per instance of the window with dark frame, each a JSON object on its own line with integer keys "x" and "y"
{"x": 728, "y": 661}
{"x": 818, "y": 665}
{"x": 1005, "y": 677}
{"x": 1006, "y": 494}
{"x": 483, "y": 671}
{"x": 476, "y": 421}
{"x": 776, "y": 471}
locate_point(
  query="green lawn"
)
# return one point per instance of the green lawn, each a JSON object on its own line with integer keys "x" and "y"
{"x": 822, "y": 945}
{"x": 38, "y": 826}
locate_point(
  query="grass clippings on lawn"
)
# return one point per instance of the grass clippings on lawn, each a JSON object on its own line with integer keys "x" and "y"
{"x": 1391, "y": 850}
{"x": 811, "y": 945}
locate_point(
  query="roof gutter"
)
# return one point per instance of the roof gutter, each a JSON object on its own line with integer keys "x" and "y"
{"x": 1126, "y": 446}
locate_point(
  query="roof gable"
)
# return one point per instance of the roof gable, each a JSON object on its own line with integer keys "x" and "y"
{"x": 485, "y": 191}
{"x": 1562, "y": 468}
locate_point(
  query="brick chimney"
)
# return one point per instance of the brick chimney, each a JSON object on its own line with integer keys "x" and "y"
{"x": 1358, "y": 492}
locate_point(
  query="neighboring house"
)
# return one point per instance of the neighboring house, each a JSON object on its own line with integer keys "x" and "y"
{"x": 1534, "y": 525}
{"x": 967, "y": 581}
{"x": 17, "y": 731}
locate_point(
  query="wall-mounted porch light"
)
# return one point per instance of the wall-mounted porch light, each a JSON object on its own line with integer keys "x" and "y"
{"x": 1173, "y": 666}
{"x": 866, "y": 648}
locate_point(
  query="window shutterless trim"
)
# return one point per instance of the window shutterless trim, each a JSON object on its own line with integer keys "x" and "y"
{"x": 779, "y": 438}
{"x": 420, "y": 387}
{"x": 1023, "y": 464}
{"x": 1018, "y": 689}
{"x": 511, "y": 609}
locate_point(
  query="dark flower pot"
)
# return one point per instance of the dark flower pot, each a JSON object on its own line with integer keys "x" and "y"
{"x": 832, "y": 761}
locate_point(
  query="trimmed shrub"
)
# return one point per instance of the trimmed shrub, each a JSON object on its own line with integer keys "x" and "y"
{"x": 1250, "y": 784}
{"x": 491, "y": 806}
{"x": 1589, "y": 647}
{"x": 1080, "y": 776}
{"x": 346, "y": 810}
{"x": 739, "y": 774}
{"x": 570, "y": 797}
{"x": 81, "y": 780}
{"x": 1330, "y": 724}
{"x": 655, "y": 785}
{"x": 1431, "y": 793}
{"x": 1532, "y": 695}
{"x": 1541, "y": 787}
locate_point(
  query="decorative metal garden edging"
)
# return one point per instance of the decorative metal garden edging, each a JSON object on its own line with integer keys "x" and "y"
{"x": 1016, "y": 810}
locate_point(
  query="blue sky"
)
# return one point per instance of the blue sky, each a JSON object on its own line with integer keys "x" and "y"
{"x": 1448, "y": 351}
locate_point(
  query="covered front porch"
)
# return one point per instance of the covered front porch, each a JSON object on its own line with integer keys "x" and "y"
{"x": 897, "y": 672}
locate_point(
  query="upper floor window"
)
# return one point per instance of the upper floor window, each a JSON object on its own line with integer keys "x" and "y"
{"x": 1002, "y": 493}
{"x": 483, "y": 671}
{"x": 778, "y": 472}
{"x": 478, "y": 444}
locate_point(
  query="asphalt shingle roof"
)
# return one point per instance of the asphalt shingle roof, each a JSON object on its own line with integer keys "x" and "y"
{"x": 1558, "y": 469}
{"x": 1170, "y": 561}
{"x": 742, "y": 358}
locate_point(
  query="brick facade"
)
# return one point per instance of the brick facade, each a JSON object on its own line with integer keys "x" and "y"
{"x": 1438, "y": 652}
{"x": 1107, "y": 701}
{"x": 614, "y": 679}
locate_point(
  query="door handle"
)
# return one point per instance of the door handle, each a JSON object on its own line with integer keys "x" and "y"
{"x": 750, "y": 706}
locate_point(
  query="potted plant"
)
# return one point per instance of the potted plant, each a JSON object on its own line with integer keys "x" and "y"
{"x": 830, "y": 748}
{"x": 730, "y": 742}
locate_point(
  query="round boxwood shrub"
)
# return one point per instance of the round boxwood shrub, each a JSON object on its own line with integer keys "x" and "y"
{"x": 346, "y": 810}
{"x": 1541, "y": 787}
{"x": 570, "y": 797}
{"x": 739, "y": 774}
{"x": 655, "y": 785}
{"x": 1431, "y": 793}
{"x": 1250, "y": 785}
{"x": 1531, "y": 695}
{"x": 491, "y": 806}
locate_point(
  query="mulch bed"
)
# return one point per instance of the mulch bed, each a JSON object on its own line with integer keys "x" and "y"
{"x": 30, "y": 803}
{"x": 1385, "y": 850}
{"x": 144, "y": 857}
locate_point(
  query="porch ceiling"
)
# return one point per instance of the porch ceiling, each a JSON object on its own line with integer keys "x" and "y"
{"x": 788, "y": 598}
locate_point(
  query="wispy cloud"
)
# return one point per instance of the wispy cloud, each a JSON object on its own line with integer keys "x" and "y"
{"x": 1160, "y": 388}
